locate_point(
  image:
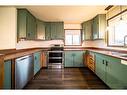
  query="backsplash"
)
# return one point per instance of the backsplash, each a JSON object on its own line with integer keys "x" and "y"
{"x": 33, "y": 44}
{"x": 95, "y": 43}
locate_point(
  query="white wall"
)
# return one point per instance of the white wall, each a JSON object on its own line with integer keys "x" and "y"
{"x": 8, "y": 27}
{"x": 96, "y": 43}
{"x": 72, "y": 26}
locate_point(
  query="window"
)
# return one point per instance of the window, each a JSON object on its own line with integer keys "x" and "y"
{"x": 117, "y": 30}
{"x": 73, "y": 37}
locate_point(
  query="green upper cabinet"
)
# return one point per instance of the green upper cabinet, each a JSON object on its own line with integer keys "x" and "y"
{"x": 99, "y": 26}
{"x": 87, "y": 30}
{"x": 40, "y": 29}
{"x": 26, "y": 25}
{"x": 7, "y": 74}
{"x": 31, "y": 27}
{"x": 54, "y": 30}
{"x": 95, "y": 28}
{"x": 73, "y": 59}
{"x": 21, "y": 23}
{"x": 47, "y": 31}
{"x": 111, "y": 71}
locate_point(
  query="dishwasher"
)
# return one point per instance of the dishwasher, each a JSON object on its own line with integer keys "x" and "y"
{"x": 24, "y": 71}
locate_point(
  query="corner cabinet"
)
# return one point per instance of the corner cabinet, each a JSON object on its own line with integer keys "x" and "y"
{"x": 99, "y": 26}
{"x": 87, "y": 30}
{"x": 111, "y": 71}
{"x": 73, "y": 59}
{"x": 54, "y": 30}
{"x": 26, "y": 25}
{"x": 95, "y": 28}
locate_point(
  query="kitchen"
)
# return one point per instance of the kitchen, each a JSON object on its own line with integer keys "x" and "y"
{"x": 51, "y": 47}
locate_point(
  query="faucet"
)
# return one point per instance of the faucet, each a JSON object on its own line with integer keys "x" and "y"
{"x": 125, "y": 40}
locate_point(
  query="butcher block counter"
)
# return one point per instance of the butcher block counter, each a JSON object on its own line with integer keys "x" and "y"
{"x": 13, "y": 53}
{"x": 120, "y": 54}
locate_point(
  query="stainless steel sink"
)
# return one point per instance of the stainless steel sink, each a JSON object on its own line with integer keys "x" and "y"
{"x": 123, "y": 55}
{"x": 119, "y": 54}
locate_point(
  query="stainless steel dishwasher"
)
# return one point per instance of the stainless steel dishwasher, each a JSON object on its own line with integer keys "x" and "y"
{"x": 24, "y": 71}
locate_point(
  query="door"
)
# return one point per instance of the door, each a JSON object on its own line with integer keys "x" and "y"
{"x": 60, "y": 30}
{"x": 40, "y": 30}
{"x": 68, "y": 61}
{"x": 37, "y": 62}
{"x": 96, "y": 27}
{"x": 7, "y": 74}
{"x": 100, "y": 67}
{"x": 78, "y": 59}
{"x": 47, "y": 31}
{"x": 31, "y": 26}
{"x": 21, "y": 23}
{"x": 115, "y": 73}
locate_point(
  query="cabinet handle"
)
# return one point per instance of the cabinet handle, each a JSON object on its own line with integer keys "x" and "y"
{"x": 35, "y": 58}
{"x": 28, "y": 34}
{"x": 103, "y": 61}
{"x": 106, "y": 63}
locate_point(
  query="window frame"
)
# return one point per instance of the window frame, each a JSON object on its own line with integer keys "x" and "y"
{"x": 108, "y": 31}
{"x": 80, "y": 37}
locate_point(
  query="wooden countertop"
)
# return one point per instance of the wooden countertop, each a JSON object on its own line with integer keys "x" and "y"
{"x": 13, "y": 53}
{"x": 109, "y": 53}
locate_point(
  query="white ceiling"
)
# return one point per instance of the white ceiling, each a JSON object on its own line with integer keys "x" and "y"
{"x": 68, "y": 14}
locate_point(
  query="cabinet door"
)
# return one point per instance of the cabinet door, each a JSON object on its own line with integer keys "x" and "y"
{"x": 100, "y": 67}
{"x": 60, "y": 30}
{"x": 44, "y": 59}
{"x": 78, "y": 59}
{"x": 7, "y": 74}
{"x": 57, "y": 30}
{"x": 102, "y": 26}
{"x": 87, "y": 29}
{"x": 96, "y": 27}
{"x": 37, "y": 62}
{"x": 53, "y": 30}
{"x": 40, "y": 30}
{"x": 31, "y": 26}
{"x": 47, "y": 31}
{"x": 21, "y": 23}
{"x": 68, "y": 62}
{"x": 115, "y": 73}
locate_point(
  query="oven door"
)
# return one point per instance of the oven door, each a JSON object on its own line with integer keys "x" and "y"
{"x": 55, "y": 54}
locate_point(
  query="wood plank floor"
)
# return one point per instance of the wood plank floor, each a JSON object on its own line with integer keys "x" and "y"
{"x": 67, "y": 78}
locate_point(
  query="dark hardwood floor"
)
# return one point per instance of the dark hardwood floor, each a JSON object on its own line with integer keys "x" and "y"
{"x": 67, "y": 78}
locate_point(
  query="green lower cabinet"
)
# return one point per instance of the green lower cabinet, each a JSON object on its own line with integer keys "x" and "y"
{"x": 68, "y": 59}
{"x": 100, "y": 67}
{"x": 7, "y": 74}
{"x": 111, "y": 71}
{"x": 73, "y": 59}
{"x": 78, "y": 59}
{"x": 37, "y": 62}
{"x": 116, "y": 73}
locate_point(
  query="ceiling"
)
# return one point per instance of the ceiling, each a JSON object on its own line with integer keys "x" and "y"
{"x": 68, "y": 14}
